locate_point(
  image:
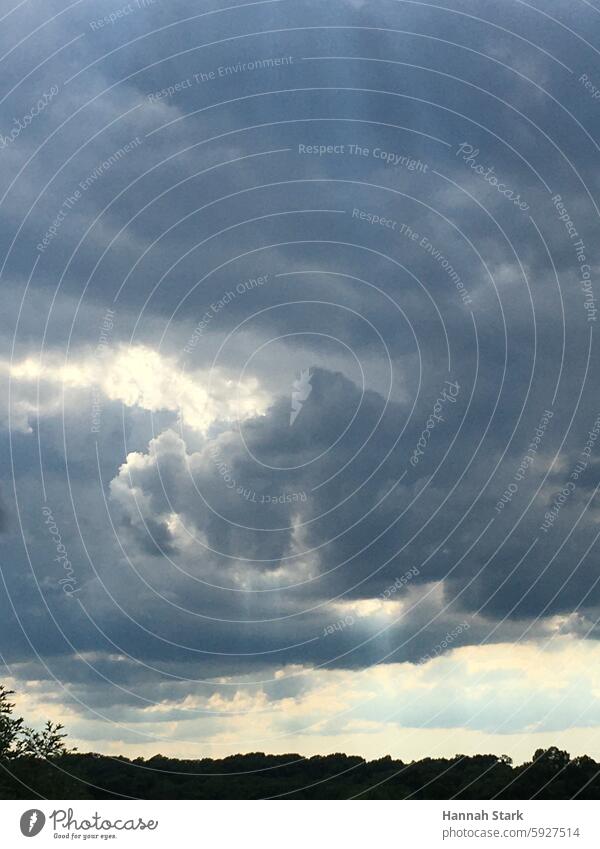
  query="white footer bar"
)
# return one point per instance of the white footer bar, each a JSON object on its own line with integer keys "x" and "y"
{"x": 300, "y": 824}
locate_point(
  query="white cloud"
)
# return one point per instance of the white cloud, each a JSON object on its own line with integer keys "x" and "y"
{"x": 501, "y": 698}
{"x": 136, "y": 376}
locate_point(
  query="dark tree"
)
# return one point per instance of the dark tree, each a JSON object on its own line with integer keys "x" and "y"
{"x": 11, "y": 727}
{"x": 47, "y": 743}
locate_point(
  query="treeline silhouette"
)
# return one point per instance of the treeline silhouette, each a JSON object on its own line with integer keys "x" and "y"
{"x": 39, "y": 764}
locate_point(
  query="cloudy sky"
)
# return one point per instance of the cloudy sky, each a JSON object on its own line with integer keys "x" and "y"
{"x": 299, "y": 379}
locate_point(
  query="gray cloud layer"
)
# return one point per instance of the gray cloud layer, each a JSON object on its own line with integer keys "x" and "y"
{"x": 267, "y": 218}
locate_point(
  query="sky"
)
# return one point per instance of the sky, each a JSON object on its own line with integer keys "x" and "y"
{"x": 299, "y": 413}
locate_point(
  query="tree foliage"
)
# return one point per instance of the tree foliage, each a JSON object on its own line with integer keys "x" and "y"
{"x": 11, "y": 728}
{"x": 18, "y": 740}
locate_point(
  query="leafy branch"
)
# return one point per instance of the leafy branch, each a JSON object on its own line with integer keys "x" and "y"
{"x": 18, "y": 740}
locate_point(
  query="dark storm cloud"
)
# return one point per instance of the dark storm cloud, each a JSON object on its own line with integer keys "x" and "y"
{"x": 183, "y": 572}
